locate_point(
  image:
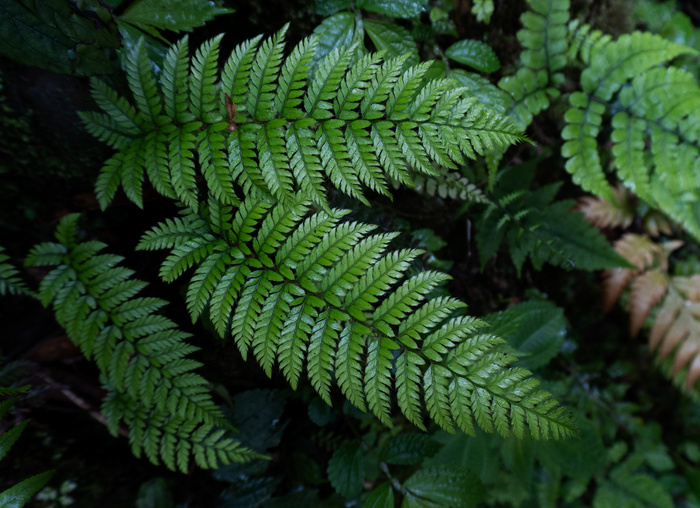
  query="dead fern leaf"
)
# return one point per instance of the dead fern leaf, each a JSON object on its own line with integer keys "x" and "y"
{"x": 646, "y": 255}
{"x": 603, "y": 213}
{"x": 647, "y": 290}
{"x": 655, "y": 222}
{"x": 640, "y": 251}
{"x": 677, "y": 328}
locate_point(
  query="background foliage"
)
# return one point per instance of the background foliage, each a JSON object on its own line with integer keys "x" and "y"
{"x": 600, "y": 88}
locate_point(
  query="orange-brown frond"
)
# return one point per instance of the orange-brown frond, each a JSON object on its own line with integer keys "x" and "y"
{"x": 603, "y": 213}
{"x": 614, "y": 283}
{"x": 639, "y": 250}
{"x": 647, "y": 290}
{"x": 676, "y": 329}
{"x": 655, "y": 222}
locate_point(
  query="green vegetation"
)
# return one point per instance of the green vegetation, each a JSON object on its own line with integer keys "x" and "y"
{"x": 294, "y": 341}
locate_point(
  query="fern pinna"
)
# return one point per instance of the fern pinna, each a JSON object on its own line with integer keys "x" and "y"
{"x": 264, "y": 128}
{"x": 317, "y": 294}
{"x": 142, "y": 356}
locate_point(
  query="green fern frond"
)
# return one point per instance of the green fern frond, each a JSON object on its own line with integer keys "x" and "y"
{"x": 10, "y": 281}
{"x": 536, "y": 227}
{"x": 545, "y": 38}
{"x": 651, "y": 106}
{"x": 265, "y": 127}
{"x": 142, "y": 355}
{"x": 307, "y": 291}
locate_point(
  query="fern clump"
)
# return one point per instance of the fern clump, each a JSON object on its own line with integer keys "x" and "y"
{"x": 266, "y": 127}
{"x": 313, "y": 293}
{"x": 142, "y": 355}
{"x": 654, "y": 123}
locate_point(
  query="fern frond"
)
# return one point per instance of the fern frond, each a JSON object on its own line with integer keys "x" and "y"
{"x": 545, "y": 42}
{"x": 10, "y": 282}
{"x": 355, "y": 121}
{"x": 309, "y": 290}
{"x": 142, "y": 356}
{"x": 654, "y": 107}
{"x": 675, "y": 334}
{"x": 608, "y": 214}
{"x": 541, "y": 230}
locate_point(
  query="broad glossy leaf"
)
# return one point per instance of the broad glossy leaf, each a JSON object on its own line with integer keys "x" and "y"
{"x": 337, "y": 31}
{"x": 409, "y": 448}
{"x": 536, "y": 329}
{"x": 381, "y": 497}
{"x": 52, "y": 36}
{"x": 395, "y": 39}
{"x": 487, "y": 93}
{"x": 329, "y": 7}
{"x": 173, "y": 15}
{"x": 444, "y": 486}
{"x": 346, "y": 469}
{"x": 398, "y": 8}
{"x": 475, "y": 54}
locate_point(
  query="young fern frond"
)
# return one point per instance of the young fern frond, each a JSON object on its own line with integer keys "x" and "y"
{"x": 264, "y": 127}
{"x": 310, "y": 292}
{"x": 142, "y": 355}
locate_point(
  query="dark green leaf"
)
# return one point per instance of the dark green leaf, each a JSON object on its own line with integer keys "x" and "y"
{"x": 444, "y": 486}
{"x": 578, "y": 458}
{"x": 409, "y": 448}
{"x": 154, "y": 494}
{"x": 258, "y": 418}
{"x": 488, "y": 93}
{"x": 398, "y": 8}
{"x": 250, "y": 492}
{"x": 393, "y": 38}
{"x": 18, "y": 495}
{"x": 335, "y": 32}
{"x": 381, "y": 497}
{"x": 426, "y": 238}
{"x": 173, "y": 15}
{"x": 633, "y": 490}
{"x": 329, "y": 7}
{"x": 52, "y": 36}
{"x": 346, "y": 469}
{"x": 320, "y": 413}
{"x": 8, "y": 439}
{"x": 536, "y": 329}
{"x": 475, "y": 54}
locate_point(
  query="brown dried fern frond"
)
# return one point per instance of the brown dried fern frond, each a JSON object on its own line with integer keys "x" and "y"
{"x": 641, "y": 252}
{"x": 603, "y": 213}
{"x": 676, "y": 329}
{"x": 656, "y": 222}
{"x": 648, "y": 282}
{"x": 647, "y": 291}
